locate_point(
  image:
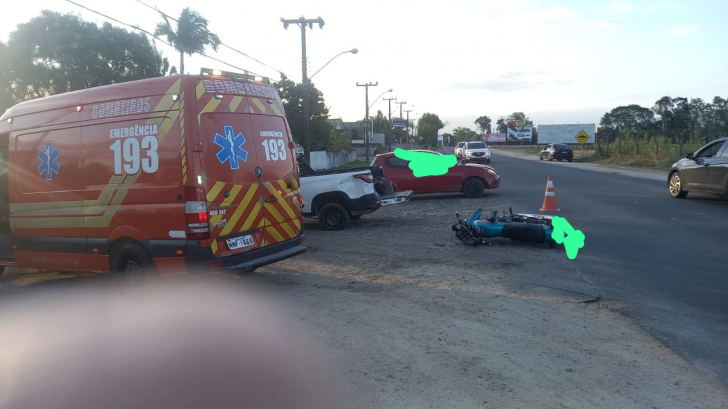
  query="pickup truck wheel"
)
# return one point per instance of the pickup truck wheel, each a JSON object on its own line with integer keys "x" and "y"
{"x": 473, "y": 188}
{"x": 333, "y": 216}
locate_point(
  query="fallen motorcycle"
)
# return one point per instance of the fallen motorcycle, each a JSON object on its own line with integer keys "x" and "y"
{"x": 527, "y": 228}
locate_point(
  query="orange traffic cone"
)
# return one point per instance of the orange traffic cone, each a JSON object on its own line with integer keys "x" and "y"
{"x": 549, "y": 200}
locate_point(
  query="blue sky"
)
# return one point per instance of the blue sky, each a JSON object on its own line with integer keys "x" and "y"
{"x": 557, "y": 61}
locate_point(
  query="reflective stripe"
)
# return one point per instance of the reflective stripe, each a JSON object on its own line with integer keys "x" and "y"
{"x": 550, "y": 184}
{"x": 551, "y": 194}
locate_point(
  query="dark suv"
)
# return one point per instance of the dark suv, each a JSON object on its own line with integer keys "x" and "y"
{"x": 559, "y": 151}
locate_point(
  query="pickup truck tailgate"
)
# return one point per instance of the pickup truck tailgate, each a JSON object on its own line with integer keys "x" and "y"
{"x": 396, "y": 197}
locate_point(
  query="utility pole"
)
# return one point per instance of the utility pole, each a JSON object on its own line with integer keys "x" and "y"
{"x": 390, "y": 121}
{"x": 366, "y": 132}
{"x": 400, "y": 108}
{"x": 302, "y": 22}
{"x": 408, "y": 124}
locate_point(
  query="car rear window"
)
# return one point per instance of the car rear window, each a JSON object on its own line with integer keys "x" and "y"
{"x": 561, "y": 146}
{"x": 476, "y": 145}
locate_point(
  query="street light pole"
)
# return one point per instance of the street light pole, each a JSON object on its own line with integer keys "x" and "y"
{"x": 353, "y": 51}
{"x": 372, "y": 119}
{"x": 302, "y": 22}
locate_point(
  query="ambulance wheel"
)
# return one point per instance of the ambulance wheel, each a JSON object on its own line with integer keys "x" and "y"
{"x": 132, "y": 267}
{"x": 333, "y": 216}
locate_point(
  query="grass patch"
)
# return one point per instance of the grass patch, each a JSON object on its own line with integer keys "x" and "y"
{"x": 637, "y": 161}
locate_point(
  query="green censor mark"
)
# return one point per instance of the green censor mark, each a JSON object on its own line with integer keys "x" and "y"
{"x": 563, "y": 233}
{"x": 426, "y": 164}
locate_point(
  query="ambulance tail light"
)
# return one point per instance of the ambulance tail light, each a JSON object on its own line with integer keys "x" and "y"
{"x": 198, "y": 227}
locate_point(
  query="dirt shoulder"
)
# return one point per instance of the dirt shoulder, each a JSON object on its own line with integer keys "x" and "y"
{"x": 415, "y": 319}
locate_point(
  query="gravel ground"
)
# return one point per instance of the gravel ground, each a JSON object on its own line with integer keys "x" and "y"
{"x": 417, "y": 320}
{"x": 411, "y": 318}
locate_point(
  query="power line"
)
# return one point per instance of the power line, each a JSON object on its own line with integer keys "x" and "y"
{"x": 160, "y": 40}
{"x": 155, "y": 8}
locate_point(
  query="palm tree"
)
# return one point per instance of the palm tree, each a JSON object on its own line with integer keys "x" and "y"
{"x": 190, "y": 37}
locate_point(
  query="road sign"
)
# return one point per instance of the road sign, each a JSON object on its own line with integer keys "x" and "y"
{"x": 582, "y": 137}
{"x": 412, "y": 140}
{"x": 399, "y": 123}
{"x": 420, "y": 138}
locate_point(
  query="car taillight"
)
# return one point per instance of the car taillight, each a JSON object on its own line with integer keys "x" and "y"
{"x": 367, "y": 177}
{"x": 198, "y": 227}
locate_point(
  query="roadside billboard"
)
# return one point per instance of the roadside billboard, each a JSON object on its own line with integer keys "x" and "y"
{"x": 493, "y": 137}
{"x": 568, "y": 133}
{"x": 519, "y": 131}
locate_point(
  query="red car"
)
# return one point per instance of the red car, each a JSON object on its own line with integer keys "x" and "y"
{"x": 470, "y": 179}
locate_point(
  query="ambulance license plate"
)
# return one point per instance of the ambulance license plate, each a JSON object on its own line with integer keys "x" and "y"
{"x": 240, "y": 242}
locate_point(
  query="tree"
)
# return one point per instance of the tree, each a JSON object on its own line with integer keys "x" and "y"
{"x": 56, "y": 53}
{"x": 501, "y": 125}
{"x": 518, "y": 116}
{"x": 629, "y": 118}
{"x": 682, "y": 117}
{"x": 719, "y": 117}
{"x": 6, "y": 96}
{"x": 464, "y": 134}
{"x": 381, "y": 123}
{"x": 429, "y": 125}
{"x": 483, "y": 124}
{"x": 291, "y": 94}
{"x": 190, "y": 37}
{"x": 664, "y": 107}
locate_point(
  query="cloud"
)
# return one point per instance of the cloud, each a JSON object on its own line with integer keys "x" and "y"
{"x": 608, "y": 25}
{"x": 617, "y": 7}
{"x": 510, "y": 82}
{"x": 690, "y": 29}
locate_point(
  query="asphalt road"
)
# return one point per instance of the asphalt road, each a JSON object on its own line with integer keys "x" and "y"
{"x": 662, "y": 261}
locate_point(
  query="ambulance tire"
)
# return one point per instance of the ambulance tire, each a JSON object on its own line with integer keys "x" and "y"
{"x": 333, "y": 216}
{"x": 132, "y": 267}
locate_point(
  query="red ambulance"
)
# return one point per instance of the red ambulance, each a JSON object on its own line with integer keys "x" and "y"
{"x": 154, "y": 177}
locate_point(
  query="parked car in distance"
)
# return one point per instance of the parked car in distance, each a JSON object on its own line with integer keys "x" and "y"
{"x": 705, "y": 171}
{"x": 476, "y": 151}
{"x": 470, "y": 179}
{"x": 459, "y": 149}
{"x": 558, "y": 151}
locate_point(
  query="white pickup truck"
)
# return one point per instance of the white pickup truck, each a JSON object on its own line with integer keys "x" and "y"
{"x": 335, "y": 197}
